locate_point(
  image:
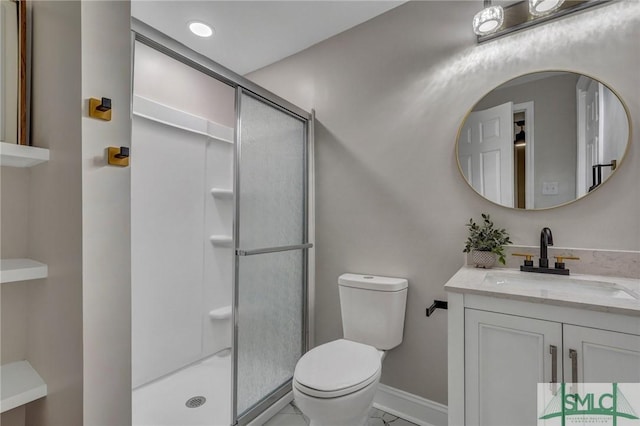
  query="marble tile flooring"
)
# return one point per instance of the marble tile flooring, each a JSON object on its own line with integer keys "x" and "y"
{"x": 291, "y": 416}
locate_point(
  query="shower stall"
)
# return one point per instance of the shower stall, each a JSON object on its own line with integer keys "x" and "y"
{"x": 220, "y": 184}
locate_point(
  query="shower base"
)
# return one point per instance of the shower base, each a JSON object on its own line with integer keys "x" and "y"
{"x": 164, "y": 402}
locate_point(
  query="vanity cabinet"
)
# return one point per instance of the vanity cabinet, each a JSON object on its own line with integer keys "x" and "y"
{"x": 507, "y": 334}
{"x": 507, "y": 355}
{"x": 601, "y": 356}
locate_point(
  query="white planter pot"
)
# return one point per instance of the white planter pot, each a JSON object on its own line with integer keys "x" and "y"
{"x": 483, "y": 259}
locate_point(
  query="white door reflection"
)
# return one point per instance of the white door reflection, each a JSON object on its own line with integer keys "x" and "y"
{"x": 485, "y": 153}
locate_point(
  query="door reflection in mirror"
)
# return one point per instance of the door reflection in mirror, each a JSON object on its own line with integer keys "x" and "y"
{"x": 520, "y": 166}
{"x": 543, "y": 140}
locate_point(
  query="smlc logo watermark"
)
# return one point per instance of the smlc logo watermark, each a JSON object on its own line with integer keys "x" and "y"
{"x": 616, "y": 404}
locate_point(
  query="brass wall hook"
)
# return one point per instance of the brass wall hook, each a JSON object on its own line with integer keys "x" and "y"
{"x": 118, "y": 156}
{"x": 100, "y": 108}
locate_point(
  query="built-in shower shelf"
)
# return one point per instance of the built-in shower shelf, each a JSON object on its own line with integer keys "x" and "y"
{"x": 21, "y": 384}
{"x": 12, "y": 270}
{"x": 222, "y": 193}
{"x": 221, "y": 240}
{"x": 14, "y": 155}
{"x": 168, "y": 116}
{"x": 220, "y": 313}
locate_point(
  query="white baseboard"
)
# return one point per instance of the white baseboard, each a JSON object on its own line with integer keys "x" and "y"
{"x": 410, "y": 407}
{"x": 405, "y": 405}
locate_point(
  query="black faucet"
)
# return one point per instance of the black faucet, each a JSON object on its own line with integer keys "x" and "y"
{"x": 546, "y": 239}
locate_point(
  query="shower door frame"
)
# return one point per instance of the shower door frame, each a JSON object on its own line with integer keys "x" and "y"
{"x": 153, "y": 38}
{"x": 285, "y": 388}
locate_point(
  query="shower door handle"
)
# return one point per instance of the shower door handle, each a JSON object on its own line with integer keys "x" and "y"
{"x": 240, "y": 252}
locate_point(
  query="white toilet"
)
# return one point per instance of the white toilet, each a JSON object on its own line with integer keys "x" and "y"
{"x": 334, "y": 384}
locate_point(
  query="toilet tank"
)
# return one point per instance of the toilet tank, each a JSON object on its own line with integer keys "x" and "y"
{"x": 373, "y": 309}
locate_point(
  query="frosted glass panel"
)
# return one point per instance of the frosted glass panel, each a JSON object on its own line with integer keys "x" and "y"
{"x": 269, "y": 323}
{"x": 271, "y": 176}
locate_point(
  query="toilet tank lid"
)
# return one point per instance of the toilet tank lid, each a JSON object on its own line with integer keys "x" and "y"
{"x": 372, "y": 282}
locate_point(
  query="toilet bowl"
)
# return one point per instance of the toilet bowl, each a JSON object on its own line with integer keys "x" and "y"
{"x": 334, "y": 384}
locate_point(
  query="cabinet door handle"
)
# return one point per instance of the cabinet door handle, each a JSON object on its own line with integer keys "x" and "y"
{"x": 553, "y": 350}
{"x": 573, "y": 354}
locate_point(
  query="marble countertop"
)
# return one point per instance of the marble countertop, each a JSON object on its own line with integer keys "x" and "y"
{"x": 600, "y": 293}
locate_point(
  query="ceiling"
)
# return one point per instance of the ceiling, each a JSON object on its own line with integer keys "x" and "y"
{"x": 252, "y": 34}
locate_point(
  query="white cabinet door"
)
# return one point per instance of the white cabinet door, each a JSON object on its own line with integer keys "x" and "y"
{"x": 600, "y": 356}
{"x": 505, "y": 357}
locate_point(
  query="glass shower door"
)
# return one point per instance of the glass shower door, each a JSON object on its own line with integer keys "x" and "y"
{"x": 271, "y": 252}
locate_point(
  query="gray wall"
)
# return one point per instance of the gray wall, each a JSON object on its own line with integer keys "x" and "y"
{"x": 616, "y": 129}
{"x": 14, "y": 228}
{"x": 9, "y": 72}
{"x": 72, "y": 213}
{"x": 390, "y": 95}
{"x": 14, "y": 207}
{"x": 555, "y": 136}
{"x": 55, "y": 221}
{"x": 106, "y": 217}
{"x": 106, "y": 210}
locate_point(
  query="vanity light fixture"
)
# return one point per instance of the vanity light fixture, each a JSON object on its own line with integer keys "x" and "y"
{"x": 488, "y": 20}
{"x": 200, "y": 29}
{"x": 525, "y": 14}
{"x": 544, "y": 7}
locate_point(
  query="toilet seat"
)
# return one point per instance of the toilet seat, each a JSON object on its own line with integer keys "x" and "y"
{"x": 337, "y": 368}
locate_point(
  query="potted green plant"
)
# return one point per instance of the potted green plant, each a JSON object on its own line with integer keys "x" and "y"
{"x": 485, "y": 242}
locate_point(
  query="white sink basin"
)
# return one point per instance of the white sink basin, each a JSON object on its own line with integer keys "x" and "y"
{"x": 554, "y": 284}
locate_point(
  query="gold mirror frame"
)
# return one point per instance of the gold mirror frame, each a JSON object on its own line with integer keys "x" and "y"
{"x": 619, "y": 163}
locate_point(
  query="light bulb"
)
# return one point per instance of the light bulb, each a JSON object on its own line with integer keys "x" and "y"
{"x": 488, "y": 20}
{"x": 544, "y": 7}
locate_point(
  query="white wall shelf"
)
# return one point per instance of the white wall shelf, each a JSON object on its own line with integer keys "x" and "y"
{"x": 222, "y": 193}
{"x": 12, "y": 270}
{"x": 14, "y": 155}
{"x": 221, "y": 240}
{"x": 21, "y": 384}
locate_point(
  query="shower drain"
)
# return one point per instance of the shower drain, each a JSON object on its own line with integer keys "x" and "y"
{"x": 195, "y": 402}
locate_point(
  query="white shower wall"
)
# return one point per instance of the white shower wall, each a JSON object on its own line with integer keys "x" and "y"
{"x": 182, "y": 147}
{"x": 218, "y": 267}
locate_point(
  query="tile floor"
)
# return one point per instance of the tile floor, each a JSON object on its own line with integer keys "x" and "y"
{"x": 291, "y": 416}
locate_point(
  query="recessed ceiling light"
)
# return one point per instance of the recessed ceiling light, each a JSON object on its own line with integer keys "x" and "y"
{"x": 200, "y": 29}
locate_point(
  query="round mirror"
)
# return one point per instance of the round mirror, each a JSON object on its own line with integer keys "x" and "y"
{"x": 543, "y": 140}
